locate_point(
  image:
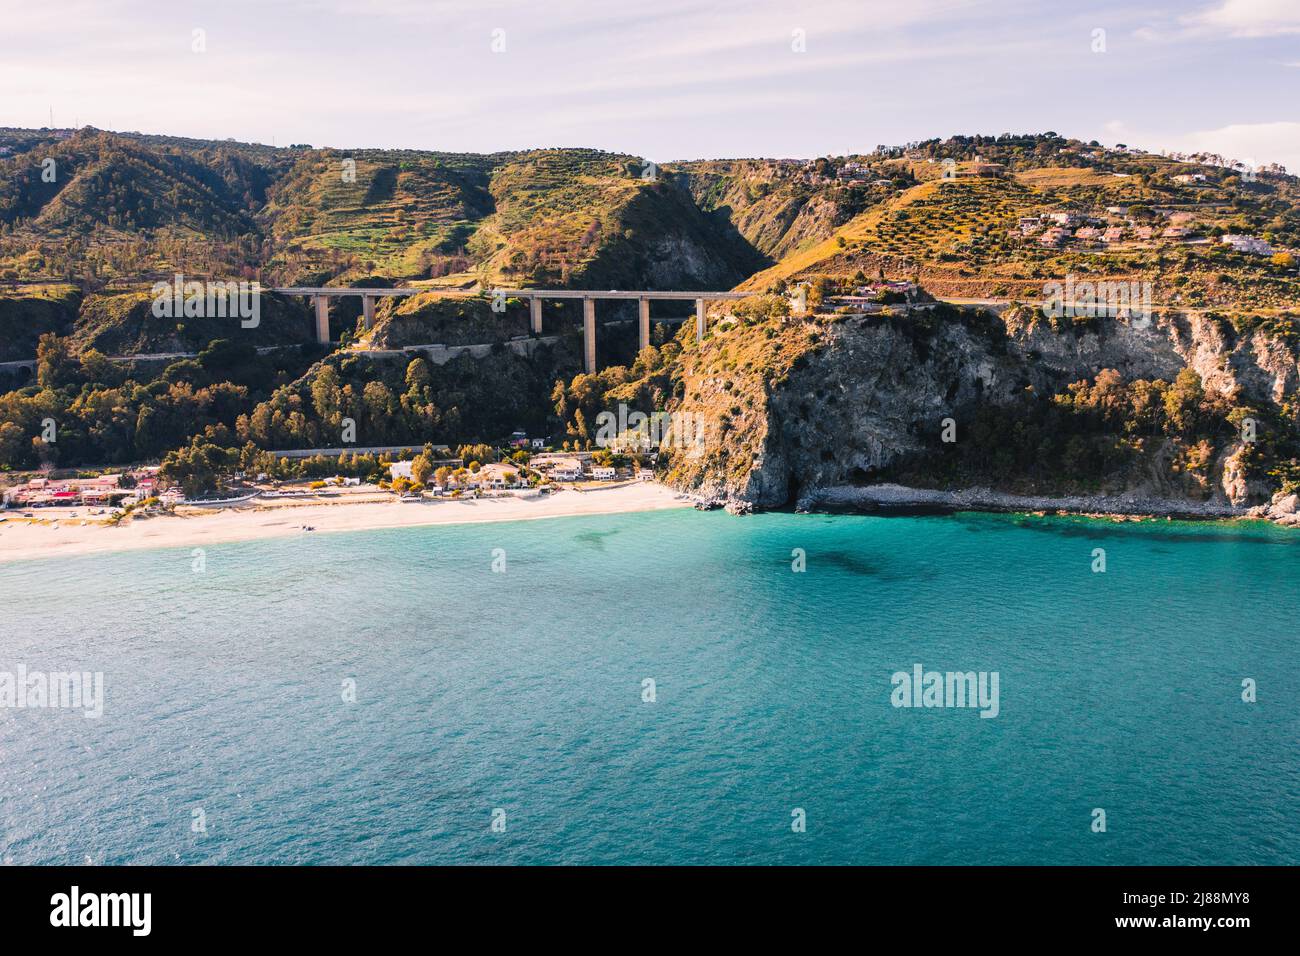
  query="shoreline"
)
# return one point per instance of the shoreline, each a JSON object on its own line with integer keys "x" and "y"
{"x": 54, "y": 535}
{"x": 884, "y": 498}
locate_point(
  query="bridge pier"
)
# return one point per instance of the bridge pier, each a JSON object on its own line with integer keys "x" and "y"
{"x": 535, "y": 313}
{"x": 368, "y": 311}
{"x": 643, "y": 307}
{"x": 322, "y": 303}
{"x": 589, "y": 334}
{"x": 699, "y": 320}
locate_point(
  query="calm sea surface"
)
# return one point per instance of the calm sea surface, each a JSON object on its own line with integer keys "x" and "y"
{"x": 520, "y": 695}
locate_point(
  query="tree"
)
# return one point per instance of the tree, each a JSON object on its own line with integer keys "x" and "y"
{"x": 196, "y": 468}
{"x": 418, "y": 379}
{"x": 12, "y": 445}
{"x": 1183, "y": 400}
{"x": 421, "y": 468}
{"x": 55, "y": 365}
{"x": 325, "y": 394}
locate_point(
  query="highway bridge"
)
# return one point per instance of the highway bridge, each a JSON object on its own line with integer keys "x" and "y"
{"x": 321, "y": 295}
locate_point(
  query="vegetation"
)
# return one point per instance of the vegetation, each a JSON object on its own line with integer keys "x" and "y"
{"x": 85, "y": 235}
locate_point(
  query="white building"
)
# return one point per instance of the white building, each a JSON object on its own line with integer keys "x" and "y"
{"x": 566, "y": 469}
{"x": 601, "y": 473}
{"x": 400, "y": 469}
{"x": 1247, "y": 244}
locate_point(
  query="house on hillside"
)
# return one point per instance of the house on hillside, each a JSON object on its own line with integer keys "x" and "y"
{"x": 1250, "y": 244}
{"x": 981, "y": 168}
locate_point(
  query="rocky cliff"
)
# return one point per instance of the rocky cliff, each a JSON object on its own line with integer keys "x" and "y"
{"x": 946, "y": 398}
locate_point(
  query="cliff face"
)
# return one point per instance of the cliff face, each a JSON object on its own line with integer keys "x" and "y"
{"x": 863, "y": 399}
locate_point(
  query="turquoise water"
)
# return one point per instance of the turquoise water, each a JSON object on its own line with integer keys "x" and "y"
{"x": 522, "y": 691}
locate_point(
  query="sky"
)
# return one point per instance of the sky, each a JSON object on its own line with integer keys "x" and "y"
{"x": 671, "y": 79}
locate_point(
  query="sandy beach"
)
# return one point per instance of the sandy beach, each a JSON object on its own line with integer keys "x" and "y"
{"x": 52, "y": 533}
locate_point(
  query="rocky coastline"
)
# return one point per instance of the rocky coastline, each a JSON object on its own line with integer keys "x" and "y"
{"x": 893, "y": 498}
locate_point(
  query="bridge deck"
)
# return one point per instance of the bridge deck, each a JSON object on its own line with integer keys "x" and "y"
{"x": 515, "y": 293}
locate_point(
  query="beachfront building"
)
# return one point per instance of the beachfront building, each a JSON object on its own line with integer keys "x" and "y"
{"x": 497, "y": 475}
{"x": 102, "y": 490}
{"x": 566, "y": 469}
{"x": 400, "y": 469}
{"x": 603, "y": 473}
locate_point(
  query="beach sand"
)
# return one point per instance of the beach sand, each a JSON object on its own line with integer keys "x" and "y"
{"x": 43, "y": 537}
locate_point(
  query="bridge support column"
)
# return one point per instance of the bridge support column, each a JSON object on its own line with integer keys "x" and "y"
{"x": 322, "y": 318}
{"x": 699, "y": 320}
{"x": 644, "y": 321}
{"x": 368, "y": 311}
{"x": 535, "y": 313}
{"x": 589, "y": 334}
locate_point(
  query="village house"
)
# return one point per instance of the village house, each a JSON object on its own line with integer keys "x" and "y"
{"x": 1250, "y": 244}
{"x": 1064, "y": 218}
{"x": 603, "y": 473}
{"x": 981, "y": 168}
{"x": 400, "y": 469}
{"x": 1113, "y": 234}
{"x": 1187, "y": 178}
{"x": 1055, "y": 236}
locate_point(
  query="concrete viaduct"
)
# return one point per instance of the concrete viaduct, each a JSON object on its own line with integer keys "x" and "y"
{"x": 320, "y": 295}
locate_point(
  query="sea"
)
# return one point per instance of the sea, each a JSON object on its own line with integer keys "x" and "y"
{"x": 667, "y": 687}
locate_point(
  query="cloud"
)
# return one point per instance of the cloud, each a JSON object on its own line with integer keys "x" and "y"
{"x": 1253, "y": 143}
{"x": 1251, "y": 18}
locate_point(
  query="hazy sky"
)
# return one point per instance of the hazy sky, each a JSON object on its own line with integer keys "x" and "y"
{"x": 671, "y": 79}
